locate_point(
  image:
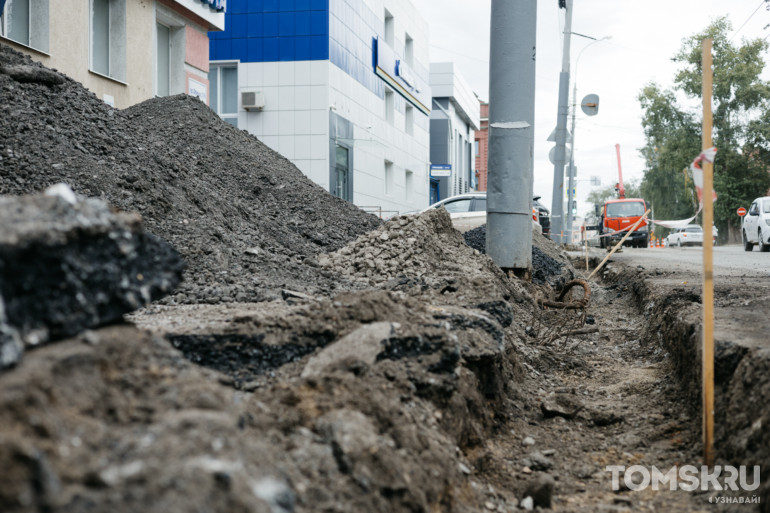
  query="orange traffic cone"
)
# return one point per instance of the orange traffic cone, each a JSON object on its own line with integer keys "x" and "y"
{"x": 652, "y": 243}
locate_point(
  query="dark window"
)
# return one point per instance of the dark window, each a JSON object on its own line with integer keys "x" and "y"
{"x": 341, "y": 173}
{"x": 480, "y": 205}
{"x": 625, "y": 209}
{"x": 694, "y": 229}
{"x": 457, "y": 206}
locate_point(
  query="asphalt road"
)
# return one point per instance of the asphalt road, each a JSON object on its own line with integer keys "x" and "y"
{"x": 741, "y": 285}
{"x": 729, "y": 261}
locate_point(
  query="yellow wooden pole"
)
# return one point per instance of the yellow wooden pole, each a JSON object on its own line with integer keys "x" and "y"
{"x": 708, "y": 265}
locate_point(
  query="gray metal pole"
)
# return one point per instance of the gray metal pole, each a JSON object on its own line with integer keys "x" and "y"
{"x": 557, "y": 203}
{"x": 511, "y": 133}
{"x": 571, "y": 169}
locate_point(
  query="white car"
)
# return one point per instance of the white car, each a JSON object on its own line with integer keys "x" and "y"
{"x": 690, "y": 235}
{"x": 469, "y": 210}
{"x": 756, "y": 225}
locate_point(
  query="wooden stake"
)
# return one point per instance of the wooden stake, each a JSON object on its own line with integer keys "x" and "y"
{"x": 630, "y": 230}
{"x": 708, "y": 265}
{"x": 585, "y": 241}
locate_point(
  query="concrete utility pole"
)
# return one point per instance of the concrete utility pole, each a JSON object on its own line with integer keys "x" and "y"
{"x": 571, "y": 169}
{"x": 557, "y": 203}
{"x": 511, "y": 133}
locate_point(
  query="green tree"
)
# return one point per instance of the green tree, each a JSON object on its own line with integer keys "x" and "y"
{"x": 741, "y": 134}
{"x": 599, "y": 196}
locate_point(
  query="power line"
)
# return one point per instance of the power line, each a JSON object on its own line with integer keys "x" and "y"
{"x": 747, "y": 19}
{"x": 485, "y": 61}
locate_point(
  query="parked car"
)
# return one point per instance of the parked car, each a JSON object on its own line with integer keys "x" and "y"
{"x": 543, "y": 215}
{"x": 756, "y": 225}
{"x": 690, "y": 235}
{"x": 469, "y": 210}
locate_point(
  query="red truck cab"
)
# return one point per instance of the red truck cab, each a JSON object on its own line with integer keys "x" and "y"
{"x": 617, "y": 216}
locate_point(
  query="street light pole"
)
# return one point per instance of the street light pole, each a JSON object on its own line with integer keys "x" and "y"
{"x": 557, "y": 203}
{"x": 571, "y": 169}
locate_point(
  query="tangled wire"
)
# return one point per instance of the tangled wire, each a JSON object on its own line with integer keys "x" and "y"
{"x": 558, "y": 319}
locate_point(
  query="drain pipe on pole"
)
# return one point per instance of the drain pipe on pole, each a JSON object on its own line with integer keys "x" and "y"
{"x": 557, "y": 203}
{"x": 511, "y": 134}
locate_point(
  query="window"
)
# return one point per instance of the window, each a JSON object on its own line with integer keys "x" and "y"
{"x": 223, "y": 83}
{"x": 461, "y": 205}
{"x": 476, "y": 147}
{"x": 390, "y": 106}
{"x": 408, "y": 185}
{"x": 388, "y": 177}
{"x": 26, "y": 22}
{"x": 341, "y": 186}
{"x": 409, "y": 120}
{"x": 390, "y": 29}
{"x": 625, "y": 209}
{"x": 409, "y": 50}
{"x": 766, "y": 206}
{"x": 108, "y": 38}
{"x": 480, "y": 205}
{"x": 163, "y": 60}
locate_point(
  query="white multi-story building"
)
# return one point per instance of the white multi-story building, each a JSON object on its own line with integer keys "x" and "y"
{"x": 339, "y": 87}
{"x": 453, "y": 122}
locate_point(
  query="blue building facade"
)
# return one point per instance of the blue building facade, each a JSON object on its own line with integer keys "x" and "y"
{"x": 354, "y": 73}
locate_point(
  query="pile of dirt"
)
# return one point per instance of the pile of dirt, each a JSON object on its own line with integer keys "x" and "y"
{"x": 424, "y": 255}
{"x": 246, "y": 220}
{"x": 549, "y": 264}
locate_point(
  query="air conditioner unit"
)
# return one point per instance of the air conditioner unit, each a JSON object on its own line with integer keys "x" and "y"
{"x": 252, "y": 100}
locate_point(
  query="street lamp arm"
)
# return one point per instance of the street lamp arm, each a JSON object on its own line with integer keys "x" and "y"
{"x": 571, "y": 168}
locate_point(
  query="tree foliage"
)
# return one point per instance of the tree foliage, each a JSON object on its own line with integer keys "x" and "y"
{"x": 599, "y": 196}
{"x": 741, "y": 127}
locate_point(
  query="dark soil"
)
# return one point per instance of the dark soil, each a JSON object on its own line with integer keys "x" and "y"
{"x": 545, "y": 267}
{"x": 246, "y": 220}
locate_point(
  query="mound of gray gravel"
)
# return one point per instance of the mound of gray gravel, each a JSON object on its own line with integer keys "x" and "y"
{"x": 246, "y": 220}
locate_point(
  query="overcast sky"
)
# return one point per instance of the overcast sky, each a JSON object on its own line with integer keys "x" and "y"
{"x": 645, "y": 35}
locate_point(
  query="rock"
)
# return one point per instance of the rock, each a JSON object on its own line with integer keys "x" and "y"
{"x": 32, "y": 74}
{"x": 11, "y": 346}
{"x": 537, "y": 461}
{"x": 276, "y": 493}
{"x": 67, "y": 267}
{"x": 527, "y": 503}
{"x": 540, "y": 490}
{"x": 601, "y": 418}
{"x": 560, "y": 404}
{"x": 363, "y": 345}
{"x": 464, "y": 469}
{"x": 292, "y": 294}
{"x": 528, "y": 441}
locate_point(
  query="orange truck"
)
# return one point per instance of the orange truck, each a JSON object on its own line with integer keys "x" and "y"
{"x": 618, "y": 215}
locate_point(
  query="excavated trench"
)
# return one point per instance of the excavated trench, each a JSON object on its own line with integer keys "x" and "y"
{"x": 672, "y": 322}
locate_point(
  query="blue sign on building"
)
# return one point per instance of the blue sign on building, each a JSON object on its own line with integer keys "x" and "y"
{"x": 396, "y": 74}
{"x": 438, "y": 170}
{"x": 217, "y": 5}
